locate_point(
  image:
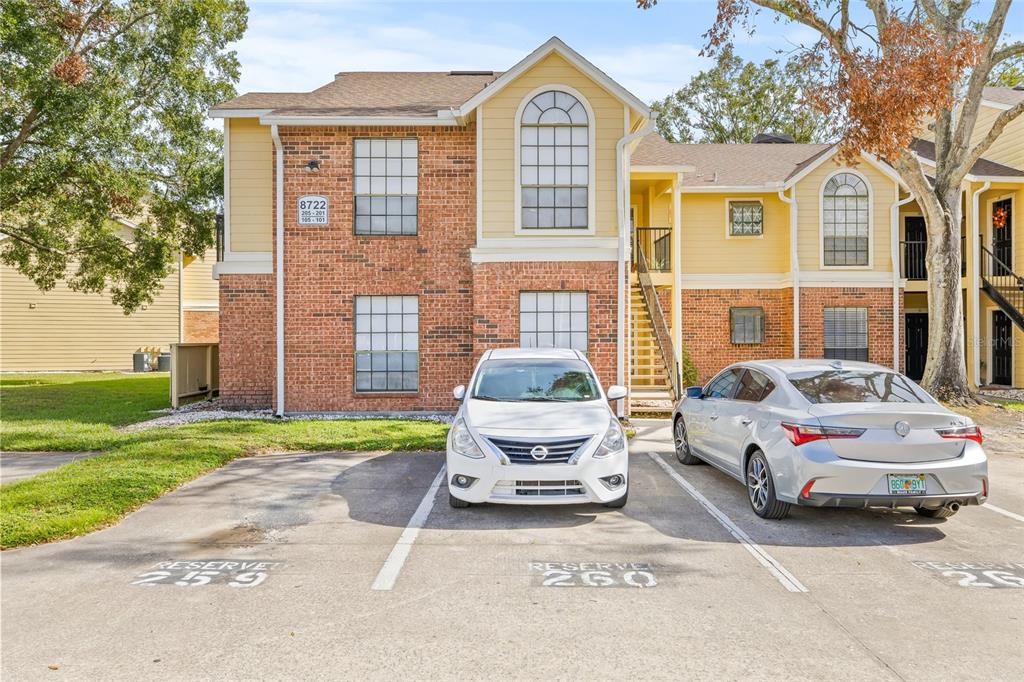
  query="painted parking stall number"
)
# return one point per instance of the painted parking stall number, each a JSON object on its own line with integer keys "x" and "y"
{"x": 982, "y": 575}
{"x": 313, "y": 210}
{"x": 592, "y": 574}
{"x": 210, "y": 572}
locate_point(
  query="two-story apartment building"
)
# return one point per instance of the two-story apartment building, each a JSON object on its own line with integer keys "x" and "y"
{"x": 383, "y": 230}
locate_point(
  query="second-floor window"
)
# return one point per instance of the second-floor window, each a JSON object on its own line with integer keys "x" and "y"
{"x": 845, "y": 224}
{"x": 746, "y": 219}
{"x": 386, "y": 186}
{"x": 554, "y": 163}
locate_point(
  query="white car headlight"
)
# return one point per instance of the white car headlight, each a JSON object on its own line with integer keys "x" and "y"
{"x": 614, "y": 440}
{"x": 462, "y": 441}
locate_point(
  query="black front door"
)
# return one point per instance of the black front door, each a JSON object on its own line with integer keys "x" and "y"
{"x": 1002, "y": 233}
{"x": 915, "y": 246}
{"x": 917, "y": 344}
{"x": 1002, "y": 350}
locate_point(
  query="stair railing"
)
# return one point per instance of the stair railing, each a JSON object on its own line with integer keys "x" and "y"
{"x": 1003, "y": 285}
{"x": 662, "y": 331}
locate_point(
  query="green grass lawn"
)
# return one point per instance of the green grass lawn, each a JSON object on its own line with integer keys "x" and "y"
{"x": 81, "y": 412}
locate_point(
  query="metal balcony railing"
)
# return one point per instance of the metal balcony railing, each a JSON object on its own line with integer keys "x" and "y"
{"x": 913, "y": 265}
{"x": 656, "y": 245}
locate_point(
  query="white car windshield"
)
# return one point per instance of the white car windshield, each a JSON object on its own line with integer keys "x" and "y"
{"x": 538, "y": 380}
{"x": 856, "y": 386}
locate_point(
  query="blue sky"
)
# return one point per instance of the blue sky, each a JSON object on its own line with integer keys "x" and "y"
{"x": 297, "y": 46}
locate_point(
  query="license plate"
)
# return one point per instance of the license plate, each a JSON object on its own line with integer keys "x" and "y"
{"x": 907, "y": 484}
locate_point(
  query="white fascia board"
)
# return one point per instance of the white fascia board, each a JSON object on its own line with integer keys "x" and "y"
{"x": 201, "y": 306}
{"x": 748, "y": 280}
{"x": 714, "y": 189}
{"x": 238, "y": 113}
{"x": 243, "y": 267}
{"x": 826, "y": 279}
{"x": 540, "y": 243}
{"x": 971, "y": 177}
{"x": 807, "y": 171}
{"x": 555, "y": 44}
{"x": 359, "y": 120}
{"x": 681, "y": 168}
{"x": 540, "y": 255}
{"x": 996, "y": 105}
{"x": 880, "y": 165}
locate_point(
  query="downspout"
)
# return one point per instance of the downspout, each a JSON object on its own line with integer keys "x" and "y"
{"x": 279, "y": 266}
{"x": 624, "y": 244}
{"x": 794, "y": 265}
{"x": 894, "y": 235}
{"x": 975, "y": 247}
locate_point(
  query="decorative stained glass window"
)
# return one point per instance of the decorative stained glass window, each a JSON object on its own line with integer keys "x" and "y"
{"x": 553, "y": 319}
{"x": 387, "y": 343}
{"x": 845, "y": 220}
{"x": 386, "y": 186}
{"x": 554, "y": 162}
{"x": 746, "y": 218}
{"x": 846, "y": 334}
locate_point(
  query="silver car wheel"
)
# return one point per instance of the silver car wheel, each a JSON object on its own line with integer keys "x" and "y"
{"x": 757, "y": 483}
{"x": 682, "y": 447}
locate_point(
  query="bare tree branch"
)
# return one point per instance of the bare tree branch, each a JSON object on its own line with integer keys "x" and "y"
{"x": 984, "y": 143}
{"x": 1008, "y": 52}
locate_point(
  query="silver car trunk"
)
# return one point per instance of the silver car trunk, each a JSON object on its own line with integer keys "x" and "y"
{"x": 880, "y": 441}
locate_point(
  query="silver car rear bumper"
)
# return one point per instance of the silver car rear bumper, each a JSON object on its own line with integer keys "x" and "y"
{"x": 890, "y": 501}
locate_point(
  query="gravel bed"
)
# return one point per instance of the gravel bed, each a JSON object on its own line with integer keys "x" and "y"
{"x": 209, "y": 411}
{"x": 1003, "y": 393}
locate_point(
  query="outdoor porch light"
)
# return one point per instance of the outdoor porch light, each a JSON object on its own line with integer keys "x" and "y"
{"x": 313, "y": 165}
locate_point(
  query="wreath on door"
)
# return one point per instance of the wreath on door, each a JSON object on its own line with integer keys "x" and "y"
{"x": 999, "y": 218}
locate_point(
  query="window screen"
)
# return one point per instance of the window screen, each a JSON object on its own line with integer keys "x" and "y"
{"x": 747, "y": 325}
{"x": 386, "y": 186}
{"x": 553, "y": 319}
{"x": 387, "y": 343}
{"x": 846, "y": 334}
{"x": 845, "y": 215}
{"x": 554, "y": 162}
{"x": 746, "y": 218}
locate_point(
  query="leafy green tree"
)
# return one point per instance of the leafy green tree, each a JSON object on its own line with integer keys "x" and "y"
{"x": 735, "y": 100}
{"x": 1009, "y": 74}
{"x": 103, "y": 117}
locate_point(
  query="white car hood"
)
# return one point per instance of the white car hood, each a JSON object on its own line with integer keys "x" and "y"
{"x": 582, "y": 418}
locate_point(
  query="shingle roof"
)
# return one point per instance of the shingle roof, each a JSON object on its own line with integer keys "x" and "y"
{"x": 982, "y": 167}
{"x": 372, "y": 93}
{"x": 728, "y": 165}
{"x": 1009, "y": 96}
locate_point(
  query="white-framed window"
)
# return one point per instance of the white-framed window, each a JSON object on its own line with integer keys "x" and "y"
{"x": 746, "y": 217}
{"x": 386, "y": 185}
{"x": 746, "y": 324}
{"x": 387, "y": 343}
{"x": 553, "y": 319}
{"x": 846, "y": 222}
{"x": 554, "y": 163}
{"x": 846, "y": 334}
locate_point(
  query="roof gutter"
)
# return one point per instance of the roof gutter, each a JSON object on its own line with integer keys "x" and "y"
{"x": 279, "y": 267}
{"x": 446, "y": 120}
{"x": 621, "y": 177}
{"x": 975, "y": 247}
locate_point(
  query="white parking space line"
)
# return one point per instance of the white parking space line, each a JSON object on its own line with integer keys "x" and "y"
{"x": 400, "y": 552}
{"x": 1004, "y": 512}
{"x": 787, "y": 579}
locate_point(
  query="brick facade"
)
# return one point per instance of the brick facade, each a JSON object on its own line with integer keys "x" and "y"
{"x": 247, "y": 340}
{"x": 496, "y": 289}
{"x": 201, "y": 326}
{"x": 877, "y": 300}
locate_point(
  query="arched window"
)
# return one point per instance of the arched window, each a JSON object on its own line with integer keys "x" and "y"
{"x": 846, "y": 227}
{"x": 554, "y": 162}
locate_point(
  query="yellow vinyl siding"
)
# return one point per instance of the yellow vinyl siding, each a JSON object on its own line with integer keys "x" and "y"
{"x": 197, "y": 282}
{"x": 808, "y": 192}
{"x": 1008, "y": 149}
{"x": 250, "y": 169}
{"x": 498, "y": 153}
{"x": 707, "y": 250}
{"x": 68, "y": 330}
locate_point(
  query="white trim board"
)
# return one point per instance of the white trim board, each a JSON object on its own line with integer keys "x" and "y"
{"x": 542, "y": 254}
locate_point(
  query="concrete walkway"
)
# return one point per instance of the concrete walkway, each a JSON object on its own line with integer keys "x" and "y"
{"x": 17, "y": 465}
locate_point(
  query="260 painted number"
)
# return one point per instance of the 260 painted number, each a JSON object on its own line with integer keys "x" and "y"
{"x": 557, "y": 578}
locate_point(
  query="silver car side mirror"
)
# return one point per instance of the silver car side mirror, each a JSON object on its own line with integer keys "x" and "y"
{"x": 617, "y": 392}
{"x": 459, "y": 392}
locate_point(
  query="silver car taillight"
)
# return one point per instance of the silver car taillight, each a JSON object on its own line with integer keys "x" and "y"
{"x": 799, "y": 434}
{"x": 972, "y": 432}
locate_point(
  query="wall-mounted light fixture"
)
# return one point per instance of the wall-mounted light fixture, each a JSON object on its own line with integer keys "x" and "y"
{"x": 313, "y": 165}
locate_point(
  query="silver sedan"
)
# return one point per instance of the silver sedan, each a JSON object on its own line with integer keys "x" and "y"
{"x": 832, "y": 433}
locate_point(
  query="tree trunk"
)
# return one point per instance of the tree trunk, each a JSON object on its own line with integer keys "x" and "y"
{"x": 945, "y": 374}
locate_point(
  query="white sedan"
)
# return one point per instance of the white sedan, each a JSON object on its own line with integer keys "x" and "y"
{"x": 832, "y": 433}
{"x": 535, "y": 427}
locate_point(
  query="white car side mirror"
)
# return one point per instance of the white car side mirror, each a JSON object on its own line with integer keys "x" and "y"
{"x": 459, "y": 392}
{"x": 617, "y": 392}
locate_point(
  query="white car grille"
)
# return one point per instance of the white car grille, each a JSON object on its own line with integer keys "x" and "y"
{"x": 567, "y": 488}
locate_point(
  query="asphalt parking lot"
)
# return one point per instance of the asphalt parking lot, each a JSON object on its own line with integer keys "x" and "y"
{"x": 312, "y": 566}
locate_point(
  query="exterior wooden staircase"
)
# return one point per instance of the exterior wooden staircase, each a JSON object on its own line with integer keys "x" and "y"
{"x": 650, "y": 388}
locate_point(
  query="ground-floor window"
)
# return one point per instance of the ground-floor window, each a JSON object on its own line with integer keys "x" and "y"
{"x": 553, "y": 319}
{"x": 846, "y": 334}
{"x": 387, "y": 343}
{"x": 746, "y": 324}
